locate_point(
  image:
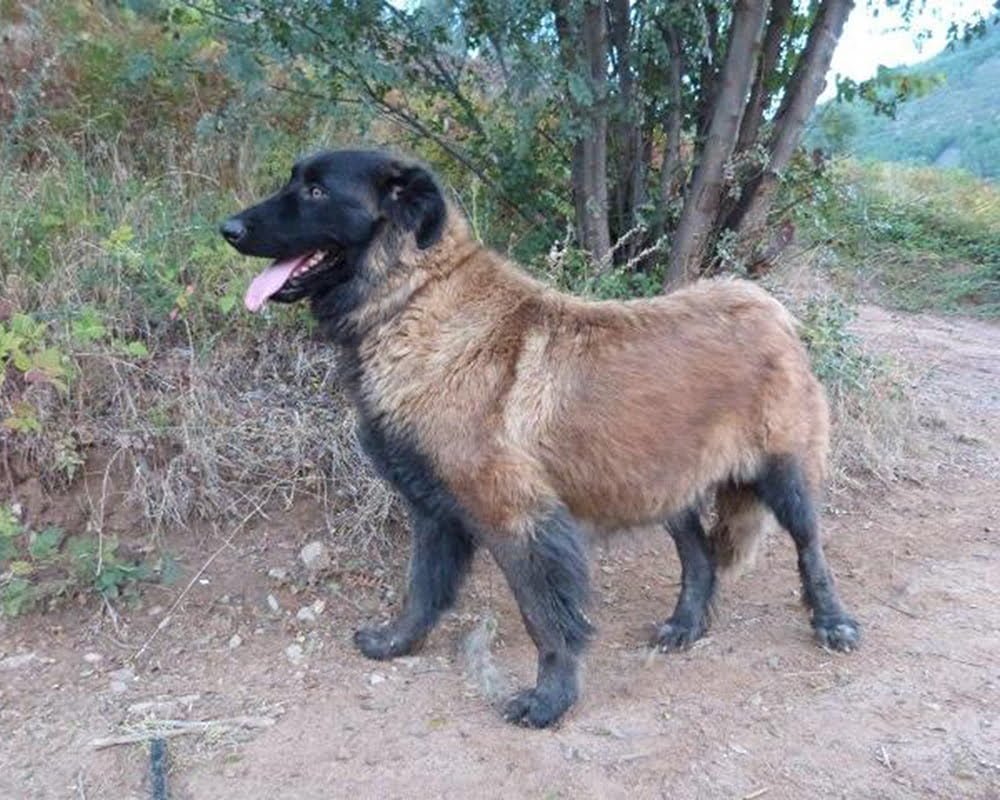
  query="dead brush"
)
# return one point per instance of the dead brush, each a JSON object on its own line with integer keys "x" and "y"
{"x": 250, "y": 431}
{"x": 874, "y": 419}
{"x": 249, "y": 427}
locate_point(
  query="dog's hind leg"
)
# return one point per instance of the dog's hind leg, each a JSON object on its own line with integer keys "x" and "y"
{"x": 690, "y": 618}
{"x": 783, "y": 488}
{"x": 547, "y": 572}
{"x": 442, "y": 552}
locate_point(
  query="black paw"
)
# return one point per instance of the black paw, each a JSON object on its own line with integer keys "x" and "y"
{"x": 677, "y": 634}
{"x": 382, "y": 643}
{"x": 534, "y": 708}
{"x": 842, "y": 634}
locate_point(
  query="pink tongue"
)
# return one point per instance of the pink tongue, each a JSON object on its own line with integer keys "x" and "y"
{"x": 270, "y": 281}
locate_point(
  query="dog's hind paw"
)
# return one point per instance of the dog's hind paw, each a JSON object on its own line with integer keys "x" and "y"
{"x": 842, "y": 634}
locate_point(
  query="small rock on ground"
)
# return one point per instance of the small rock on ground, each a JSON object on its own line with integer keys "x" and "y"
{"x": 315, "y": 556}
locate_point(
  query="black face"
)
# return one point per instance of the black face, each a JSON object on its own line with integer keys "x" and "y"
{"x": 321, "y": 223}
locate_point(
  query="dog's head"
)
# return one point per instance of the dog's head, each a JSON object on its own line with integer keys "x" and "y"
{"x": 320, "y": 225}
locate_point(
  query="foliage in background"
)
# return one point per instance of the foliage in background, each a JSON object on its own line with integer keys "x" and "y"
{"x": 122, "y": 326}
{"x": 673, "y": 125}
{"x": 956, "y": 123}
{"x": 872, "y": 415}
{"x": 914, "y": 238}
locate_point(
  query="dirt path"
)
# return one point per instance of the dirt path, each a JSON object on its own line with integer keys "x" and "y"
{"x": 753, "y": 711}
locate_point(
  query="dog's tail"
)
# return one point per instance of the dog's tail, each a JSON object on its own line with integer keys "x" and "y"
{"x": 741, "y": 524}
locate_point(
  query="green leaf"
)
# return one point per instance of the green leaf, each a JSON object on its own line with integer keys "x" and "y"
{"x": 50, "y": 361}
{"x": 137, "y": 349}
{"x": 24, "y": 419}
{"x": 82, "y": 552}
{"x": 45, "y": 544}
{"x": 579, "y": 89}
{"x": 22, "y": 361}
{"x": 16, "y": 597}
{"x": 26, "y": 329}
{"x": 9, "y": 524}
{"x": 226, "y": 303}
{"x": 170, "y": 570}
{"x": 88, "y": 326}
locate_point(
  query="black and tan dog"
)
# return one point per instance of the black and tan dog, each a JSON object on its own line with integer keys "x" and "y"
{"x": 512, "y": 416}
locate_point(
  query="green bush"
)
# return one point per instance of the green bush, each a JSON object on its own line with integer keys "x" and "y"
{"x": 38, "y": 568}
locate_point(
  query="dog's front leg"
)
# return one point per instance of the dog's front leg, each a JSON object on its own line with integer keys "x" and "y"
{"x": 440, "y": 558}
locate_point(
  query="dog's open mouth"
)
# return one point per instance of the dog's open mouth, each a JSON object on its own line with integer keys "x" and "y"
{"x": 273, "y": 279}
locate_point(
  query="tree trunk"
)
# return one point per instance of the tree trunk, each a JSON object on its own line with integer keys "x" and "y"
{"x": 583, "y": 50}
{"x": 749, "y": 218}
{"x": 628, "y": 141}
{"x": 696, "y": 228}
{"x": 708, "y": 75}
{"x": 760, "y": 95}
{"x": 670, "y": 171}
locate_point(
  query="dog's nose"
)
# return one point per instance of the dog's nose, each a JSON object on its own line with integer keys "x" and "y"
{"x": 233, "y": 230}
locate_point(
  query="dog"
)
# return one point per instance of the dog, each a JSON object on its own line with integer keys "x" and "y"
{"x": 513, "y": 417}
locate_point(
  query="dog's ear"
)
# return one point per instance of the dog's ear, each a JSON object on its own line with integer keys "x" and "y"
{"x": 411, "y": 198}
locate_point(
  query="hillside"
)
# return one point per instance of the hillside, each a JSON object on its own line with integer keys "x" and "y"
{"x": 957, "y": 124}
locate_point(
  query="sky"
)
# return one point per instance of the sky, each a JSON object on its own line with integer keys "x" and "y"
{"x": 869, "y": 39}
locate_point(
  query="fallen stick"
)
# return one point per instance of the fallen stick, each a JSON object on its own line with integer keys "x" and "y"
{"x": 168, "y": 728}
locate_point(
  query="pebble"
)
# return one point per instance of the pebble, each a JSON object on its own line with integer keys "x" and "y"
{"x": 315, "y": 556}
{"x": 120, "y": 679}
{"x": 16, "y": 662}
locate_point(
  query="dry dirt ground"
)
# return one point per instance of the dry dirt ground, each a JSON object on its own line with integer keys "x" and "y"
{"x": 755, "y": 710}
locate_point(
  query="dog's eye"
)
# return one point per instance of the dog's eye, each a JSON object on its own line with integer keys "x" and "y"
{"x": 315, "y": 192}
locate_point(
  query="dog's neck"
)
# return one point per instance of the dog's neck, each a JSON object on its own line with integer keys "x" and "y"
{"x": 394, "y": 271}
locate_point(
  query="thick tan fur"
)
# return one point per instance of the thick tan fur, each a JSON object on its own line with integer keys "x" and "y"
{"x": 626, "y": 412}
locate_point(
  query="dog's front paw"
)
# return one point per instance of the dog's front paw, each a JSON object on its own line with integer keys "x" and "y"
{"x": 677, "y": 634}
{"x": 381, "y": 643}
{"x": 842, "y": 634}
{"x": 534, "y": 708}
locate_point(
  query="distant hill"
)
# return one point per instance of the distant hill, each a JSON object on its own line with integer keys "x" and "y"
{"x": 956, "y": 125}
